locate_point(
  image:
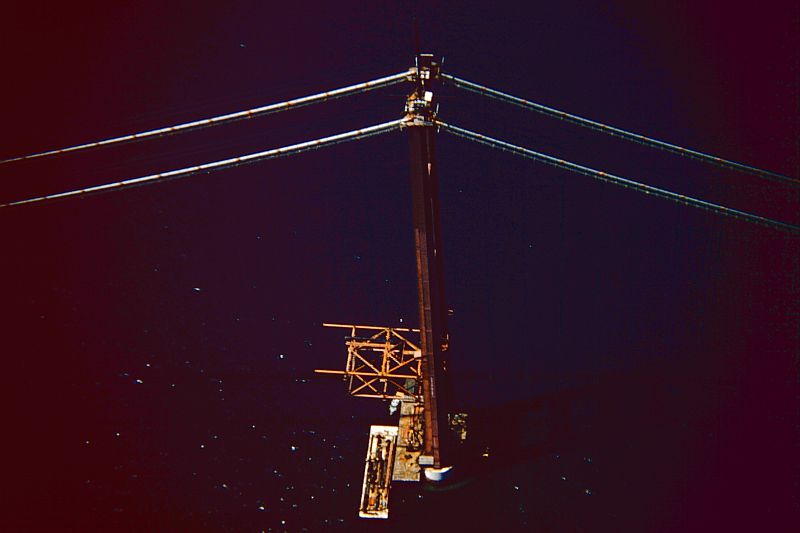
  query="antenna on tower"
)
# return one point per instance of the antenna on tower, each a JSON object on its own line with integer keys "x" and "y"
{"x": 415, "y": 32}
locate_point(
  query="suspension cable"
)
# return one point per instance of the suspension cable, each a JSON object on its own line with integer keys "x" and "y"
{"x": 225, "y": 163}
{"x": 617, "y": 132}
{"x": 232, "y": 117}
{"x": 617, "y": 180}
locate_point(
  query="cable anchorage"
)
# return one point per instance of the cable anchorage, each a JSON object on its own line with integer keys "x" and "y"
{"x": 618, "y": 180}
{"x": 618, "y": 132}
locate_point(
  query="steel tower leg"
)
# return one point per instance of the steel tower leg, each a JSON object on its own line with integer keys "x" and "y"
{"x": 430, "y": 287}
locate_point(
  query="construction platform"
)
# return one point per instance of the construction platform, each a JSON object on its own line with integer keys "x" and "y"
{"x": 409, "y": 442}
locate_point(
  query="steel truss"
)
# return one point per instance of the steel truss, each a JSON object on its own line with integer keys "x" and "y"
{"x": 382, "y": 362}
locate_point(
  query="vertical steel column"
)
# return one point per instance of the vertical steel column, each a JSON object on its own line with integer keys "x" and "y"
{"x": 428, "y": 243}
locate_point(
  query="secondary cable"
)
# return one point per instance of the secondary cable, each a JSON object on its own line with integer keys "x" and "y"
{"x": 225, "y": 163}
{"x": 618, "y": 180}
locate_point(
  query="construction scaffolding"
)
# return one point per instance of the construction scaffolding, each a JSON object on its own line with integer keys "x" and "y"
{"x": 382, "y": 362}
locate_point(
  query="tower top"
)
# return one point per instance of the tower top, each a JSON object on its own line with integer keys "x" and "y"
{"x": 420, "y": 103}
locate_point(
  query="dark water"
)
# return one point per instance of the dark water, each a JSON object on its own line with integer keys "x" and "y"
{"x": 171, "y": 445}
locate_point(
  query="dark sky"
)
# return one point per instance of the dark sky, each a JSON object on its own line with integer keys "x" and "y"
{"x": 159, "y": 343}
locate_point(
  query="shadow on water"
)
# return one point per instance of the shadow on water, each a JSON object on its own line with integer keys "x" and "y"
{"x": 523, "y": 467}
{"x": 624, "y": 453}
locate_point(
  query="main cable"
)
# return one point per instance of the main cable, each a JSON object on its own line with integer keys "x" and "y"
{"x": 618, "y": 132}
{"x": 618, "y": 180}
{"x": 231, "y": 117}
{"x": 225, "y": 163}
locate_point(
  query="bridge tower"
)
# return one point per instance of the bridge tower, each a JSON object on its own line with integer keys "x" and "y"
{"x": 409, "y": 365}
{"x": 434, "y": 338}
